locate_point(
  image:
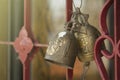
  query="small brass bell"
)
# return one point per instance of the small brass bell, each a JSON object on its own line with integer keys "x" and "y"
{"x": 86, "y": 37}
{"x": 85, "y": 34}
{"x": 62, "y": 49}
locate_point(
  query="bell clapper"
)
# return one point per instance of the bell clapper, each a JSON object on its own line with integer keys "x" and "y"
{"x": 85, "y": 69}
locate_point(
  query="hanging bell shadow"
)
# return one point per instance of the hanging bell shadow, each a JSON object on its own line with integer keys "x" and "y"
{"x": 62, "y": 50}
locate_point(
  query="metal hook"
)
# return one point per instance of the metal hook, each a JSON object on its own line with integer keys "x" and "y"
{"x": 77, "y": 7}
{"x": 74, "y": 5}
{"x": 81, "y": 4}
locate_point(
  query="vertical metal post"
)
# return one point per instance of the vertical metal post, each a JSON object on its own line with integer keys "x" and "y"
{"x": 27, "y": 17}
{"x": 68, "y": 9}
{"x": 117, "y": 38}
{"x": 69, "y": 72}
{"x": 26, "y": 70}
{"x": 27, "y": 25}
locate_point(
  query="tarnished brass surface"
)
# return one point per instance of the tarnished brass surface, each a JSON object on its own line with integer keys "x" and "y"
{"x": 62, "y": 49}
{"x": 78, "y": 40}
{"x": 85, "y": 34}
{"x": 86, "y": 38}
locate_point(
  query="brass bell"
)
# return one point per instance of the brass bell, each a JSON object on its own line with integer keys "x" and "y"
{"x": 86, "y": 36}
{"x": 62, "y": 49}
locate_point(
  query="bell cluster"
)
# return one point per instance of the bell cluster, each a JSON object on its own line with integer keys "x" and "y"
{"x": 77, "y": 40}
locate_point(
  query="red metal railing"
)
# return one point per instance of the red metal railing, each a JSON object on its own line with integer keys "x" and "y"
{"x": 69, "y": 72}
{"x": 25, "y": 43}
{"x": 115, "y": 41}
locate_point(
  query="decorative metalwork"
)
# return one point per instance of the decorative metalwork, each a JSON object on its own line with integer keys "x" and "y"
{"x": 115, "y": 41}
{"x": 23, "y": 45}
{"x": 25, "y": 42}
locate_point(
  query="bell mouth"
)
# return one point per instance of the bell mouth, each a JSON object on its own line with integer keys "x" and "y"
{"x": 58, "y": 63}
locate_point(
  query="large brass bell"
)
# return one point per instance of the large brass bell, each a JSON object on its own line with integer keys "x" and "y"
{"x": 62, "y": 49}
{"x": 85, "y": 34}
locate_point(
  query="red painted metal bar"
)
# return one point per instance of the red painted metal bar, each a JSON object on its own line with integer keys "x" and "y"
{"x": 68, "y": 9}
{"x": 26, "y": 70}
{"x": 69, "y": 72}
{"x": 104, "y": 35}
{"x": 25, "y": 42}
{"x": 117, "y": 38}
{"x": 23, "y": 46}
{"x": 27, "y": 18}
{"x": 103, "y": 23}
{"x": 27, "y": 25}
{"x": 115, "y": 41}
{"x": 27, "y": 15}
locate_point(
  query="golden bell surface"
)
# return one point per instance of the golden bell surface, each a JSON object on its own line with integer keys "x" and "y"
{"x": 86, "y": 37}
{"x": 62, "y": 49}
{"x": 85, "y": 34}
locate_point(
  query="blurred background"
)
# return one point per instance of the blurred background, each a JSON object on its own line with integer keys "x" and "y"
{"x": 48, "y": 18}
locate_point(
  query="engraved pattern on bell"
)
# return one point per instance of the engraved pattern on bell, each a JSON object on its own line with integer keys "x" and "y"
{"x": 85, "y": 34}
{"x": 55, "y": 45}
{"x": 62, "y": 49}
{"x": 86, "y": 37}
